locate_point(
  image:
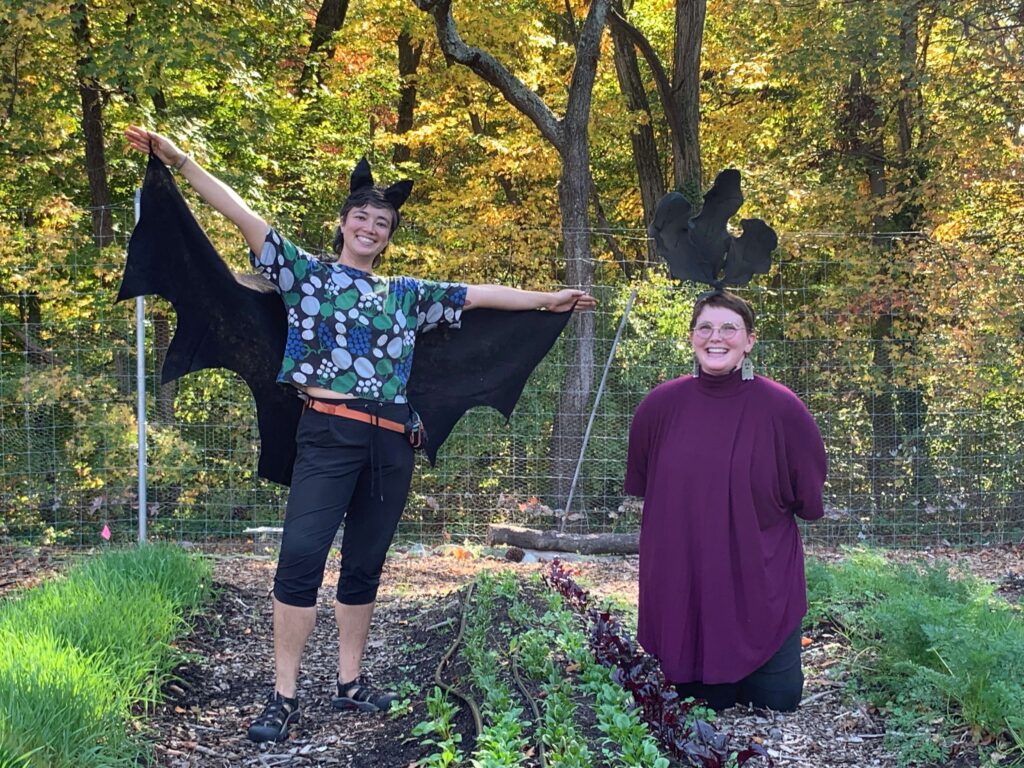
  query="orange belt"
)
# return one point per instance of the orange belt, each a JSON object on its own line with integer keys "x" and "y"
{"x": 356, "y": 415}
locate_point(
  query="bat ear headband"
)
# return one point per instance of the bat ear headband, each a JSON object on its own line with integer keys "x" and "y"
{"x": 700, "y": 248}
{"x": 362, "y": 191}
{"x": 362, "y": 178}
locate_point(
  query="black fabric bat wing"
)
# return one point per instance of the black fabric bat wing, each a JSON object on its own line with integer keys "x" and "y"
{"x": 671, "y": 232}
{"x": 224, "y": 321}
{"x": 750, "y": 253}
{"x": 700, "y": 248}
{"x": 484, "y": 362}
{"x": 239, "y": 322}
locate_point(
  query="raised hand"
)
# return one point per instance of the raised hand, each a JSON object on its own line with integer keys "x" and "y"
{"x": 161, "y": 146}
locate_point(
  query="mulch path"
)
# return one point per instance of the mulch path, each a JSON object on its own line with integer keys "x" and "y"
{"x": 223, "y": 686}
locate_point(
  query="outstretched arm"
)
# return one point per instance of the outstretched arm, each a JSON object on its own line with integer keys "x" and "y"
{"x": 502, "y": 297}
{"x": 214, "y": 191}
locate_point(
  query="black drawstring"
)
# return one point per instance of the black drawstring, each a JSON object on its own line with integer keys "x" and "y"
{"x": 376, "y": 471}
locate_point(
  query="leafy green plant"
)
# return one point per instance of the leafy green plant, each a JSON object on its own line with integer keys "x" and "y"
{"x": 61, "y": 708}
{"x": 930, "y": 647}
{"x": 405, "y": 691}
{"x": 129, "y": 636}
{"x": 567, "y": 747}
{"x": 501, "y": 742}
{"x": 911, "y": 736}
{"x": 440, "y": 732}
{"x": 181, "y": 578}
{"x": 658, "y": 704}
{"x": 626, "y": 739}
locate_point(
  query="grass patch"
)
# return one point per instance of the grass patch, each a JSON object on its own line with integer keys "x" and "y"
{"x": 77, "y": 653}
{"x": 936, "y": 652}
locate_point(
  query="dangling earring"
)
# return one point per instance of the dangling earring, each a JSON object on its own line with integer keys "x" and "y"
{"x": 747, "y": 370}
{"x": 696, "y": 369}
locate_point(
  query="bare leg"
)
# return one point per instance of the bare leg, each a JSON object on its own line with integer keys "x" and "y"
{"x": 353, "y": 628}
{"x": 292, "y": 627}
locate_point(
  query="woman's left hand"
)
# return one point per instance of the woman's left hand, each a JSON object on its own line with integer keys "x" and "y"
{"x": 563, "y": 300}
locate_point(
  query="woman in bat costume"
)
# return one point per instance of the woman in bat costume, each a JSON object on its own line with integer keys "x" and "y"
{"x": 725, "y": 460}
{"x": 349, "y": 351}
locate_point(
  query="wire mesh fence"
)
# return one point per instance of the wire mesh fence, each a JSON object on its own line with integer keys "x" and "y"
{"x": 908, "y": 352}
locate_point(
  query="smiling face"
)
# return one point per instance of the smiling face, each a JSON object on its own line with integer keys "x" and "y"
{"x": 366, "y": 231}
{"x": 716, "y": 354}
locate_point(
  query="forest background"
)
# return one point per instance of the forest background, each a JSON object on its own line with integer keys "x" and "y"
{"x": 882, "y": 139}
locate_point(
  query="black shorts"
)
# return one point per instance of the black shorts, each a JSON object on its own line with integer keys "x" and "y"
{"x": 345, "y": 471}
{"x": 777, "y": 684}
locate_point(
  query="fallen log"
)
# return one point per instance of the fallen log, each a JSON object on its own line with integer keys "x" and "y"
{"x": 584, "y": 543}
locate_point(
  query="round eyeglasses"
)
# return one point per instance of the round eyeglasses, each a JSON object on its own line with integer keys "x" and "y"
{"x": 725, "y": 330}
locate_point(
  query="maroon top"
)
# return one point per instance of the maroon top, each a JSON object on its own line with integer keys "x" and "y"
{"x": 723, "y": 466}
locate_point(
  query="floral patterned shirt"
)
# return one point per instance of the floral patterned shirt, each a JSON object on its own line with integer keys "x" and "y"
{"x": 351, "y": 331}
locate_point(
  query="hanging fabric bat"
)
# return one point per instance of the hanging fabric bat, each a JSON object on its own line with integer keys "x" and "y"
{"x": 700, "y": 248}
{"x": 238, "y": 322}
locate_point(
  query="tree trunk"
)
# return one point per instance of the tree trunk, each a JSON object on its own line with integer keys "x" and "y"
{"x": 897, "y": 414}
{"x": 329, "y": 19}
{"x": 92, "y": 128}
{"x": 570, "y": 417}
{"x": 571, "y": 138}
{"x": 870, "y": 148}
{"x": 409, "y": 53}
{"x": 680, "y": 94}
{"x": 641, "y": 135}
{"x": 686, "y": 165}
{"x": 573, "y": 203}
{"x": 911, "y": 118}
{"x": 669, "y": 103}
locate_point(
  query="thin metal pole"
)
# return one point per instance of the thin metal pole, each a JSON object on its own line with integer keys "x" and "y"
{"x": 593, "y": 411}
{"x": 140, "y": 379}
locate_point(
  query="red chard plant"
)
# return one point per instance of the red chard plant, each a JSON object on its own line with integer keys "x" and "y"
{"x": 690, "y": 739}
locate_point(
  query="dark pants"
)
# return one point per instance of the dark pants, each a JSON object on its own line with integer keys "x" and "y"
{"x": 778, "y": 684}
{"x": 347, "y": 471}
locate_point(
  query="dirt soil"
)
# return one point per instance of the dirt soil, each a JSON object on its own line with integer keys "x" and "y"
{"x": 223, "y": 686}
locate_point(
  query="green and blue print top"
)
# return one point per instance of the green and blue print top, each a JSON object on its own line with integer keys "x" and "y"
{"x": 351, "y": 331}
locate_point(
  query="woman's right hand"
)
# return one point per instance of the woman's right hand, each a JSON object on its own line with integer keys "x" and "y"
{"x": 162, "y": 147}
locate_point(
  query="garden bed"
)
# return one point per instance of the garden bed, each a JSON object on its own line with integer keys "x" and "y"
{"x": 204, "y": 719}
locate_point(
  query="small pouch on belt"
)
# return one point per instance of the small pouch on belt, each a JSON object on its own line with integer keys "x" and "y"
{"x": 415, "y": 430}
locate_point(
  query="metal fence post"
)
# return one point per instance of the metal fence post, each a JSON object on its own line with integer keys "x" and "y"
{"x": 140, "y": 378}
{"x": 593, "y": 411}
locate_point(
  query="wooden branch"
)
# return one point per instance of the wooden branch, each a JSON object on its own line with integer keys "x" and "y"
{"x": 35, "y": 351}
{"x": 661, "y": 80}
{"x": 584, "y": 543}
{"x": 493, "y": 71}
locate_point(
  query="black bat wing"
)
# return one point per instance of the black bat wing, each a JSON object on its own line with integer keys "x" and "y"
{"x": 700, "y": 248}
{"x": 670, "y": 229}
{"x": 751, "y": 253}
{"x": 708, "y": 232}
{"x": 224, "y": 320}
{"x": 484, "y": 362}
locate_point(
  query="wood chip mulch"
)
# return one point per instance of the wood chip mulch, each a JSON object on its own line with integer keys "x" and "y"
{"x": 223, "y": 686}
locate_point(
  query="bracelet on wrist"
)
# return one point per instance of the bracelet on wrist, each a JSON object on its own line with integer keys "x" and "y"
{"x": 181, "y": 163}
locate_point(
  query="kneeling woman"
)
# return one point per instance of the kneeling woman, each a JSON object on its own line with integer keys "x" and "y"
{"x": 725, "y": 461}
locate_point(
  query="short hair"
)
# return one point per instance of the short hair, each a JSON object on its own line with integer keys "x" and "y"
{"x": 360, "y": 199}
{"x": 728, "y": 301}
